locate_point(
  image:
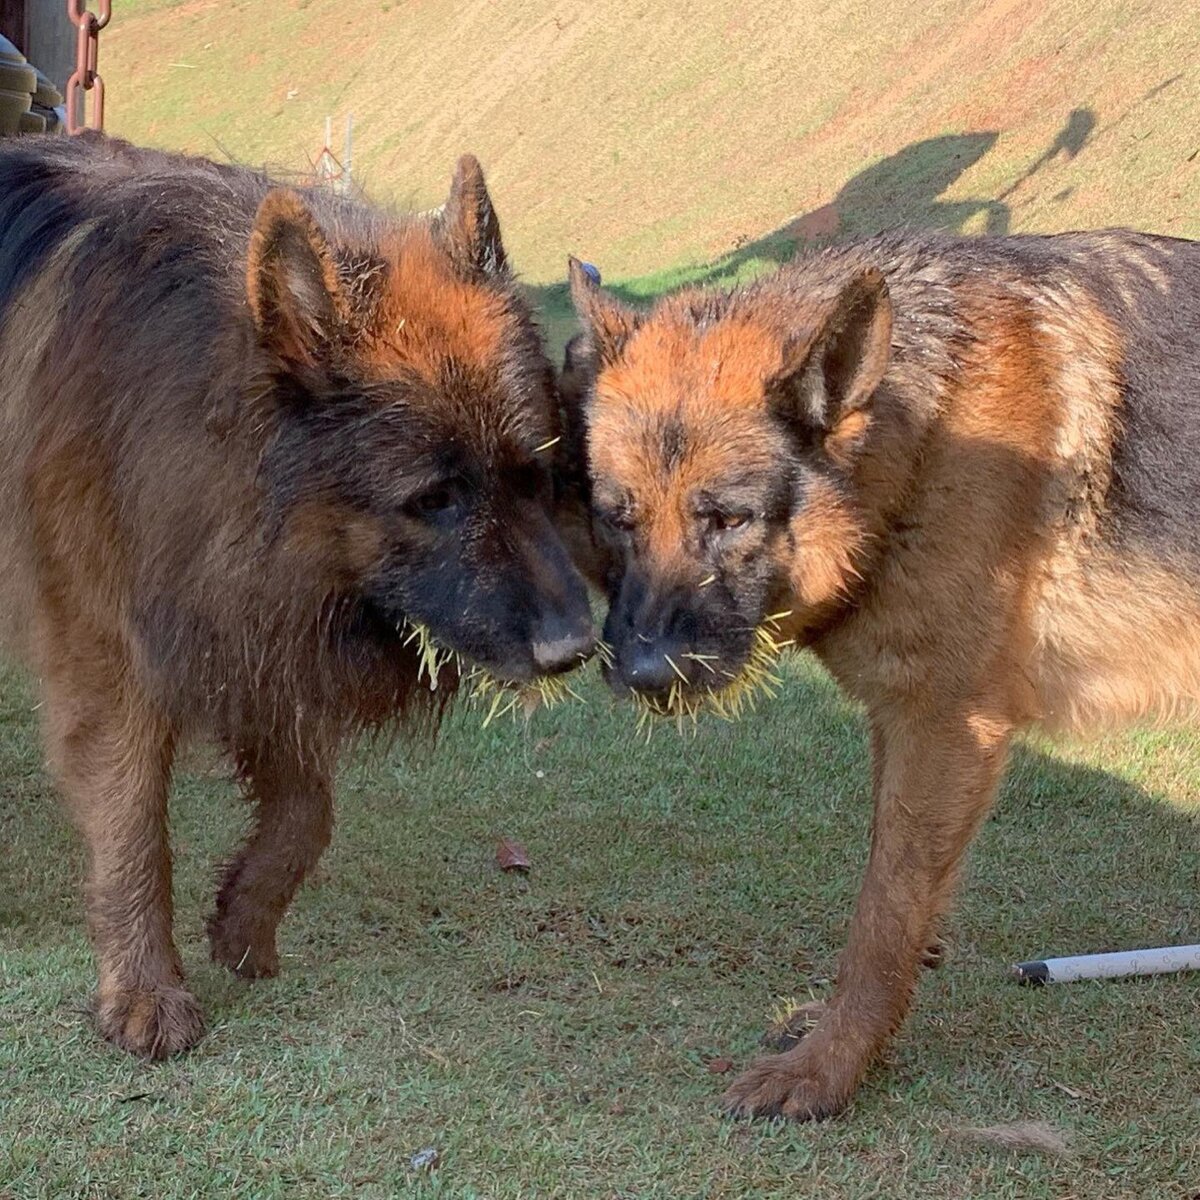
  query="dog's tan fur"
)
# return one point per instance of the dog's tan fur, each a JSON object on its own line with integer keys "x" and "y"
{"x": 954, "y": 551}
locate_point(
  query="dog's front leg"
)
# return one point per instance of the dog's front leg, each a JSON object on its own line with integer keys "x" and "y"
{"x": 110, "y": 751}
{"x": 292, "y": 790}
{"x": 936, "y": 773}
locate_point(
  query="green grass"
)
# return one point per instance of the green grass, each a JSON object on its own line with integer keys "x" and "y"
{"x": 550, "y": 1035}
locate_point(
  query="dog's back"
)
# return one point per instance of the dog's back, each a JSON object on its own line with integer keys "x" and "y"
{"x": 97, "y": 237}
{"x": 1125, "y": 310}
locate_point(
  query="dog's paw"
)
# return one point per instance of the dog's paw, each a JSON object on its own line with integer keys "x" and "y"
{"x": 246, "y": 954}
{"x": 150, "y": 1022}
{"x": 801, "y": 1085}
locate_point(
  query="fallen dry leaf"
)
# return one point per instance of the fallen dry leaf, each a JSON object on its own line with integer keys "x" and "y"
{"x": 720, "y": 1066}
{"x": 511, "y": 855}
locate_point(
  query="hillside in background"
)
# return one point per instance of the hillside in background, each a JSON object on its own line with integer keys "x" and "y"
{"x": 652, "y": 136}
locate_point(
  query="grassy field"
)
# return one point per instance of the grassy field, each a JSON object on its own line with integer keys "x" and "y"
{"x": 552, "y": 1036}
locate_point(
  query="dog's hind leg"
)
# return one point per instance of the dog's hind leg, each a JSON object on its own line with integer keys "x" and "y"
{"x": 111, "y": 753}
{"x": 293, "y": 824}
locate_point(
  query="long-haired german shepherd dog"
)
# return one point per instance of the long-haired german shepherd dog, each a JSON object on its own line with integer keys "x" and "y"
{"x": 258, "y": 447}
{"x": 966, "y": 473}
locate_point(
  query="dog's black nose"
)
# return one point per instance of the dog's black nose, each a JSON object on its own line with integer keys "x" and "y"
{"x": 559, "y": 647}
{"x": 650, "y": 667}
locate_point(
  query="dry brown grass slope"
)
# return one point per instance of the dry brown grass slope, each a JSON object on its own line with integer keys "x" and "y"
{"x": 649, "y": 136}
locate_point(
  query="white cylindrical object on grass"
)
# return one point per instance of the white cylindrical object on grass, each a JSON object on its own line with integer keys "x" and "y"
{"x": 1160, "y": 961}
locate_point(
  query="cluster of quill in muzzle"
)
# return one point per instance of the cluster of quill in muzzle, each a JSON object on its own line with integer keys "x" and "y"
{"x": 727, "y": 695}
{"x": 498, "y": 697}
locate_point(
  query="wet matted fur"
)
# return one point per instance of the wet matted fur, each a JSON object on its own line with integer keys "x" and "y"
{"x": 252, "y": 439}
{"x": 966, "y": 473}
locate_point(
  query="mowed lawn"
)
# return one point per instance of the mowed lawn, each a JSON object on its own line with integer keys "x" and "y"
{"x": 552, "y": 1035}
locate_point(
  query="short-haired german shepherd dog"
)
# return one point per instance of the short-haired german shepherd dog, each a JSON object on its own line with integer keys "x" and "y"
{"x": 966, "y": 473}
{"x": 259, "y": 446}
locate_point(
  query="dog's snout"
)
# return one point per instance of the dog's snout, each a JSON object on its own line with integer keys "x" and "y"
{"x": 560, "y": 647}
{"x": 650, "y": 667}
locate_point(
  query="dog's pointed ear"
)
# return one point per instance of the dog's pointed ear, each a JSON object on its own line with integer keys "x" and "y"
{"x": 292, "y": 284}
{"x": 833, "y": 369}
{"x": 608, "y": 324}
{"x": 468, "y": 225}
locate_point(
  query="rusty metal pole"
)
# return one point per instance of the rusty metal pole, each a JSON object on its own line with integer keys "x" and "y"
{"x": 87, "y": 77}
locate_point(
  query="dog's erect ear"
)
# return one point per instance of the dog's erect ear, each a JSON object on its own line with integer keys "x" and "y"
{"x": 832, "y": 369}
{"x": 608, "y": 324}
{"x": 292, "y": 283}
{"x": 468, "y": 226}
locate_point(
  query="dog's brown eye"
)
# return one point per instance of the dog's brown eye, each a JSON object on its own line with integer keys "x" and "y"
{"x": 434, "y": 502}
{"x": 723, "y": 521}
{"x": 618, "y": 518}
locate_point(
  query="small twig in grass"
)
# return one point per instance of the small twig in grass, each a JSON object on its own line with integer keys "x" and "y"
{"x": 430, "y": 1052}
{"x": 1074, "y": 1093}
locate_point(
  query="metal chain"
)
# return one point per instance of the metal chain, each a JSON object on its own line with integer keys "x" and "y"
{"x": 86, "y": 77}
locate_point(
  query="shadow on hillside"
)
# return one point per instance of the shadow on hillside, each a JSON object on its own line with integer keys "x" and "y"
{"x": 906, "y": 188}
